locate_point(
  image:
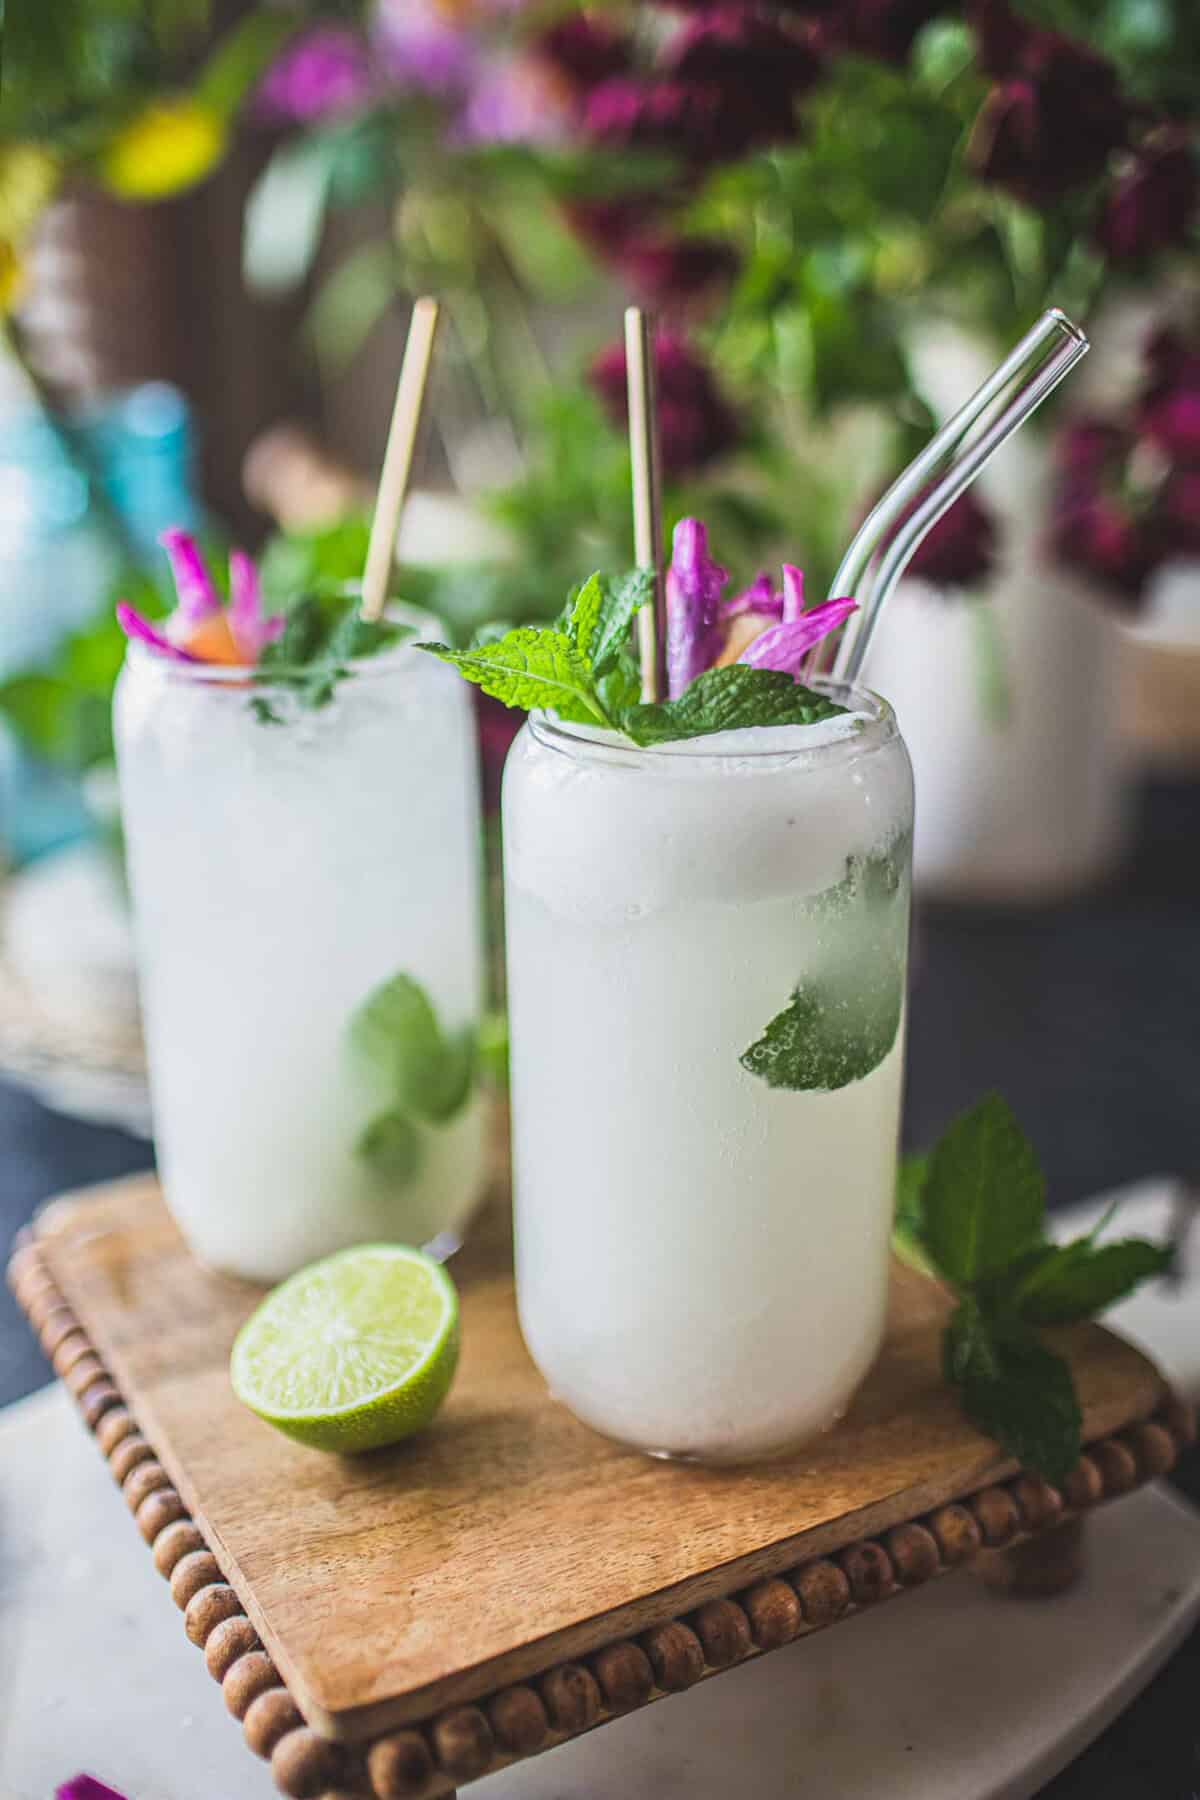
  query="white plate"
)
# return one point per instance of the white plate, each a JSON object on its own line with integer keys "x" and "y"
{"x": 948, "y": 1694}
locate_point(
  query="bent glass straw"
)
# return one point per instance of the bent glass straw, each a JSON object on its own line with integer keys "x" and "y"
{"x": 1038, "y": 363}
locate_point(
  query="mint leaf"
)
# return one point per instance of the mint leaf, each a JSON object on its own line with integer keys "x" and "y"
{"x": 1075, "y": 1281}
{"x": 814, "y": 1045}
{"x": 620, "y": 603}
{"x": 984, "y": 1197}
{"x": 392, "y": 1146}
{"x": 532, "y": 666}
{"x": 976, "y": 1210}
{"x": 836, "y": 1030}
{"x": 426, "y": 1073}
{"x": 1016, "y": 1390}
{"x": 729, "y": 699}
{"x": 582, "y": 616}
{"x": 321, "y": 634}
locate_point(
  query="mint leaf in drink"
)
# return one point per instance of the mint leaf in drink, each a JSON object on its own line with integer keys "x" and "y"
{"x": 729, "y": 699}
{"x": 532, "y": 666}
{"x": 985, "y": 1196}
{"x": 1077, "y": 1280}
{"x": 392, "y": 1146}
{"x": 840, "y": 1023}
{"x": 1015, "y": 1389}
{"x": 427, "y": 1073}
{"x": 815, "y": 1046}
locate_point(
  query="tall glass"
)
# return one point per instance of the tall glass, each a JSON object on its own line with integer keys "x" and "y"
{"x": 702, "y": 1256}
{"x": 285, "y": 862}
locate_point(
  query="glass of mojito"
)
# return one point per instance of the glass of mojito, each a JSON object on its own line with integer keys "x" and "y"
{"x": 299, "y": 799}
{"x": 707, "y": 914}
{"x": 706, "y": 947}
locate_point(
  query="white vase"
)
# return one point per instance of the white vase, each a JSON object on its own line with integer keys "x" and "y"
{"x": 1026, "y": 800}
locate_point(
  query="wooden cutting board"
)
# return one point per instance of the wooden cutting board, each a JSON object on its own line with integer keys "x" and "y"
{"x": 509, "y": 1539}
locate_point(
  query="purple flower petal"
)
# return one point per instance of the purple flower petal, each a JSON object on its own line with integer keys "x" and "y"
{"x": 86, "y": 1787}
{"x": 759, "y": 597}
{"x": 793, "y": 593}
{"x": 250, "y": 627}
{"x": 324, "y": 74}
{"x": 784, "y": 647}
{"x": 134, "y": 625}
{"x": 196, "y": 590}
{"x": 423, "y": 50}
{"x": 694, "y": 584}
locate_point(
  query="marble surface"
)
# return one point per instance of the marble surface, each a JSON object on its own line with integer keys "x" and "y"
{"x": 903, "y": 1704}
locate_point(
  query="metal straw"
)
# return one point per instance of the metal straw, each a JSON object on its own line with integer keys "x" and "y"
{"x": 647, "y": 497}
{"x": 1038, "y": 363}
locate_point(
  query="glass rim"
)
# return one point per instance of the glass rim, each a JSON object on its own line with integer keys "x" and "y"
{"x": 595, "y": 743}
{"x": 393, "y": 660}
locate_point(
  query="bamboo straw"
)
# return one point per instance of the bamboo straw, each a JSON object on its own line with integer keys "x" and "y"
{"x": 647, "y": 496}
{"x": 398, "y": 458}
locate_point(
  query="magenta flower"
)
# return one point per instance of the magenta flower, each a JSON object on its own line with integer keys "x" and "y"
{"x": 1153, "y": 205}
{"x": 1169, "y": 408}
{"x": 744, "y": 46}
{"x": 86, "y": 1787}
{"x": 785, "y": 647}
{"x": 515, "y": 100}
{"x": 323, "y": 75}
{"x": 1001, "y": 36}
{"x": 885, "y": 29}
{"x": 694, "y": 584}
{"x": 252, "y": 629}
{"x": 696, "y": 425}
{"x": 201, "y": 629}
{"x": 136, "y": 625}
{"x": 1053, "y": 124}
{"x": 585, "y": 51}
{"x": 1173, "y": 422}
{"x": 196, "y": 593}
{"x": 670, "y": 273}
{"x": 760, "y": 597}
{"x": 960, "y": 550}
{"x": 1094, "y": 526}
{"x": 1181, "y": 513}
{"x": 424, "y": 51}
{"x": 688, "y": 117}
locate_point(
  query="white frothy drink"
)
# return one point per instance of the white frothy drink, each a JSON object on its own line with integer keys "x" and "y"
{"x": 280, "y": 873}
{"x": 702, "y": 1257}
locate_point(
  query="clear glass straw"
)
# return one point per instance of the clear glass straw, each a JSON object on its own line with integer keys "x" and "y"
{"x": 1037, "y": 365}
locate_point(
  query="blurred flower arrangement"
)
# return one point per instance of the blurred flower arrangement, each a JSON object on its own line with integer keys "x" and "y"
{"x": 797, "y": 187}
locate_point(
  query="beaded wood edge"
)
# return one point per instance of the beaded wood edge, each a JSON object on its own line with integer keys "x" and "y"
{"x": 467, "y": 1742}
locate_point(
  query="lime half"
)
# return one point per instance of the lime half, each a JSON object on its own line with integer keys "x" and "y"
{"x": 353, "y": 1352}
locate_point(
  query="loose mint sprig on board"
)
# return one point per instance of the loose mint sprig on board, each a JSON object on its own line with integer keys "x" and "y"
{"x": 972, "y": 1212}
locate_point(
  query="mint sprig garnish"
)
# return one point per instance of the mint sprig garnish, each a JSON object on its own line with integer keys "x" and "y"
{"x": 427, "y": 1073}
{"x": 973, "y": 1211}
{"x": 729, "y": 699}
{"x": 582, "y": 668}
{"x": 322, "y": 634}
